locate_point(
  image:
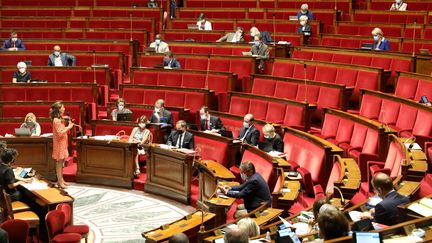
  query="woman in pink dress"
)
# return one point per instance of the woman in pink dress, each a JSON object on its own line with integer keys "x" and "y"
{"x": 60, "y": 140}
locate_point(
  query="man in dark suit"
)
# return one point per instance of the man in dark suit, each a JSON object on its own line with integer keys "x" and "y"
{"x": 160, "y": 114}
{"x": 208, "y": 122}
{"x": 4, "y": 238}
{"x": 253, "y": 191}
{"x": 249, "y": 133}
{"x": 13, "y": 43}
{"x": 181, "y": 138}
{"x": 170, "y": 62}
{"x": 60, "y": 59}
{"x": 386, "y": 212}
{"x": 260, "y": 51}
{"x": 273, "y": 139}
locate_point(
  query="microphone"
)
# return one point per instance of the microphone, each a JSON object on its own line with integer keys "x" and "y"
{"x": 415, "y": 23}
{"x": 274, "y": 28}
{"x": 131, "y": 27}
{"x": 341, "y": 194}
{"x": 305, "y": 81}
{"x": 67, "y": 118}
{"x": 94, "y": 67}
{"x": 207, "y": 71}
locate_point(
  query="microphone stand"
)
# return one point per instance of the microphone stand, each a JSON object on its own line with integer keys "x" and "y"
{"x": 94, "y": 67}
{"x": 305, "y": 82}
{"x": 274, "y": 29}
{"x": 130, "y": 18}
{"x": 415, "y": 24}
{"x": 207, "y": 72}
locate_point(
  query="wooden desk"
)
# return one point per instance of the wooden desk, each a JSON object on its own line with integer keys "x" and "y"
{"x": 169, "y": 173}
{"x": 188, "y": 225}
{"x": 34, "y": 152}
{"x": 105, "y": 163}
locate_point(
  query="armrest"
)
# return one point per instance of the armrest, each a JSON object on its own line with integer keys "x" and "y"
{"x": 306, "y": 180}
{"x": 363, "y": 162}
{"x": 370, "y": 164}
{"x": 358, "y": 148}
{"x": 318, "y": 192}
{"x": 403, "y": 131}
{"x": 356, "y": 112}
{"x": 294, "y": 165}
{"x": 236, "y": 171}
{"x": 315, "y": 130}
{"x": 345, "y": 141}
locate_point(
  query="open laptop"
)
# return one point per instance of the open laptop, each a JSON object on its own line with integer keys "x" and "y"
{"x": 124, "y": 117}
{"x": 22, "y": 132}
{"x": 192, "y": 27}
{"x": 366, "y": 46}
{"x": 247, "y": 53}
{"x": 226, "y": 133}
{"x": 367, "y": 237}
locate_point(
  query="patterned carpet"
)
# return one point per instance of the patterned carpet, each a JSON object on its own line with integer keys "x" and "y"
{"x": 120, "y": 215}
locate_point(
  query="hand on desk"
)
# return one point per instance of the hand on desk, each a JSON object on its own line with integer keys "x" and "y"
{"x": 368, "y": 214}
{"x": 224, "y": 189}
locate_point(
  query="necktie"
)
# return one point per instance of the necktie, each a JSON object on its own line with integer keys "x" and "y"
{"x": 247, "y": 130}
{"x": 157, "y": 48}
{"x": 13, "y": 44}
{"x": 207, "y": 125}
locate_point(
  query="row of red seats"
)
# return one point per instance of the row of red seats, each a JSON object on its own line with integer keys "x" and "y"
{"x": 389, "y": 30}
{"x": 412, "y": 5}
{"x": 276, "y": 110}
{"x": 407, "y": 117}
{"x": 319, "y": 93}
{"x": 71, "y": 3}
{"x": 390, "y": 17}
{"x": 349, "y": 75}
{"x": 413, "y": 86}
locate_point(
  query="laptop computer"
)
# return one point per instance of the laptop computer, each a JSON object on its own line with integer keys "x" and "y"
{"x": 424, "y": 51}
{"x": 192, "y": 27}
{"x": 124, "y": 117}
{"x": 22, "y": 132}
{"x": 246, "y": 53}
{"x": 226, "y": 133}
{"x": 367, "y": 237}
{"x": 366, "y": 46}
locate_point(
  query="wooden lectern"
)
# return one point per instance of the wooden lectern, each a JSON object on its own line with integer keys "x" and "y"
{"x": 169, "y": 173}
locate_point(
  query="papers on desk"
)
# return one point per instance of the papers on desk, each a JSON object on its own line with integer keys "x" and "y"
{"x": 412, "y": 146}
{"x": 286, "y": 223}
{"x": 164, "y": 146}
{"x": 302, "y": 228}
{"x": 276, "y": 154}
{"x": 46, "y": 135}
{"x": 411, "y": 239}
{"x": 186, "y": 151}
{"x": 374, "y": 200}
{"x": 355, "y": 215}
{"x": 105, "y": 137}
{"x": 35, "y": 185}
{"x": 423, "y": 207}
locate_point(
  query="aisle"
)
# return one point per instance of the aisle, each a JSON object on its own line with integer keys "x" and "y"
{"x": 120, "y": 215}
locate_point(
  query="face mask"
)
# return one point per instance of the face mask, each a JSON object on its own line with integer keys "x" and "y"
{"x": 243, "y": 176}
{"x": 157, "y": 41}
{"x": 142, "y": 125}
{"x": 302, "y": 23}
{"x": 245, "y": 125}
{"x": 14, "y": 39}
{"x": 120, "y": 107}
{"x": 203, "y": 21}
{"x": 56, "y": 53}
{"x": 398, "y": 1}
{"x": 29, "y": 123}
{"x": 203, "y": 117}
{"x": 157, "y": 110}
{"x": 267, "y": 136}
{"x": 239, "y": 33}
{"x": 180, "y": 131}
{"x": 376, "y": 38}
{"x": 22, "y": 70}
{"x": 256, "y": 43}
{"x": 253, "y": 34}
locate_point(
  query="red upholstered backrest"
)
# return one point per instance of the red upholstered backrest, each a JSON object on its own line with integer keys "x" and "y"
{"x": 276, "y": 113}
{"x": 330, "y": 125}
{"x": 134, "y": 96}
{"x": 389, "y": 111}
{"x": 325, "y": 74}
{"x": 371, "y": 106}
{"x": 322, "y": 56}
{"x": 17, "y": 230}
{"x": 194, "y": 101}
{"x": 424, "y": 87}
{"x": 422, "y": 125}
{"x": 394, "y": 159}
{"x": 212, "y": 149}
{"x": 329, "y": 97}
{"x": 281, "y": 69}
{"x": 263, "y": 87}
{"x": 370, "y": 145}
{"x": 406, "y": 118}
{"x": 345, "y": 130}
{"x": 239, "y": 106}
{"x": 242, "y": 68}
{"x": 334, "y": 177}
{"x": 111, "y": 129}
{"x": 138, "y": 112}
{"x": 232, "y": 125}
{"x": 294, "y": 116}
{"x": 259, "y": 108}
{"x": 262, "y": 166}
{"x": 146, "y": 78}
{"x": 67, "y": 210}
{"x": 55, "y": 222}
{"x": 346, "y": 77}
{"x": 286, "y": 90}
{"x": 406, "y": 87}
{"x": 358, "y": 135}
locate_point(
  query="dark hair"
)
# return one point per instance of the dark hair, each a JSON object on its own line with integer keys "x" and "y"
{"x": 55, "y": 110}
{"x": 169, "y": 54}
{"x": 201, "y": 16}
{"x": 317, "y": 205}
{"x": 333, "y": 224}
{"x": 143, "y": 119}
{"x": 205, "y": 109}
{"x": 382, "y": 181}
{"x": 8, "y": 155}
{"x": 179, "y": 238}
{"x": 120, "y": 100}
{"x": 247, "y": 165}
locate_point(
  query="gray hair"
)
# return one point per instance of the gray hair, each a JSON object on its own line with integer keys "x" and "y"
{"x": 247, "y": 165}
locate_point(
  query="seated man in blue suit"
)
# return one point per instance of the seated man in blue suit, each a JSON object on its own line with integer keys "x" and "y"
{"x": 13, "y": 43}
{"x": 170, "y": 62}
{"x": 60, "y": 59}
{"x": 386, "y": 212}
{"x": 253, "y": 191}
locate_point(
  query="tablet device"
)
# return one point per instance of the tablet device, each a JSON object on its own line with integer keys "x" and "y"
{"x": 363, "y": 225}
{"x": 219, "y": 240}
{"x": 367, "y": 237}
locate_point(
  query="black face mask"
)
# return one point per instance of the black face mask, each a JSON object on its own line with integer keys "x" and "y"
{"x": 180, "y": 131}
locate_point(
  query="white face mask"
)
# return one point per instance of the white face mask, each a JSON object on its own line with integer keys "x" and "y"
{"x": 253, "y": 34}
{"x": 14, "y": 39}
{"x": 267, "y": 136}
{"x": 245, "y": 125}
{"x": 57, "y": 53}
{"x": 157, "y": 110}
{"x": 157, "y": 41}
{"x": 256, "y": 43}
{"x": 243, "y": 176}
{"x": 142, "y": 125}
{"x": 203, "y": 117}
{"x": 120, "y": 107}
{"x": 398, "y": 1}
{"x": 376, "y": 38}
{"x": 302, "y": 23}
{"x": 22, "y": 70}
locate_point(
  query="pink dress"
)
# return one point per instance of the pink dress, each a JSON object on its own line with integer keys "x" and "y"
{"x": 60, "y": 140}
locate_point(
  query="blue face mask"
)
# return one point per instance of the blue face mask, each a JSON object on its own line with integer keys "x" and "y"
{"x": 376, "y": 38}
{"x": 256, "y": 43}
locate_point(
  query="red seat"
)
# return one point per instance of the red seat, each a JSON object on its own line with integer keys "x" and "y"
{"x": 82, "y": 230}
{"x": 55, "y": 226}
{"x": 17, "y": 230}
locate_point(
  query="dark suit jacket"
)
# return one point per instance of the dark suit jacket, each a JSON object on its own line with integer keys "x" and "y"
{"x": 254, "y": 191}
{"x": 165, "y": 118}
{"x": 188, "y": 140}
{"x": 386, "y": 212}
{"x": 65, "y": 58}
{"x": 307, "y": 28}
{"x": 266, "y": 38}
{"x": 4, "y": 238}
{"x": 252, "y": 137}
{"x": 8, "y": 44}
{"x": 173, "y": 64}
{"x": 276, "y": 143}
{"x": 215, "y": 123}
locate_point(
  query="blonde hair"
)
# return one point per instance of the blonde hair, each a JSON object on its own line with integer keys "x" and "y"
{"x": 377, "y": 31}
{"x": 303, "y": 18}
{"x": 249, "y": 226}
{"x": 21, "y": 65}
{"x": 31, "y": 116}
{"x": 268, "y": 128}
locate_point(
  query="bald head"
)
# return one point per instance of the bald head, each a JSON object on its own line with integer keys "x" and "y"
{"x": 57, "y": 48}
{"x": 254, "y": 31}
{"x": 160, "y": 103}
{"x": 382, "y": 183}
{"x": 236, "y": 235}
{"x": 179, "y": 238}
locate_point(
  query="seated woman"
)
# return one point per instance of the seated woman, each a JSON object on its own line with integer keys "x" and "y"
{"x": 30, "y": 123}
{"x": 8, "y": 180}
{"x": 21, "y": 76}
{"x": 398, "y": 5}
{"x": 140, "y": 135}
{"x": 380, "y": 43}
{"x": 203, "y": 24}
{"x": 120, "y": 104}
{"x": 250, "y": 226}
{"x": 170, "y": 62}
{"x": 304, "y": 29}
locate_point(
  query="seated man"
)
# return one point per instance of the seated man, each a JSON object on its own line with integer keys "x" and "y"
{"x": 266, "y": 38}
{"x": 386, "y": 212}
{"x": 13, "y": 43}
{"x": 235, "y": 234}
{"x": 235, "y": 37}
{"x": 203, "y": 24}
{"x": 181, "y": 138}
{"x": 253, "y": 191}
{"x": 272, "y": 138}
{"x": 159, "y": 45}
{"x": 160, "y": 114}
{"x": 170, "y": 62}
{"x": 260, "y": 51}
{"x": 179, "y": 238}
{"x": 304, "y": 11}
{"x": 208, "y": 122}
{"x": 249, "y": 133}
{"x": 60, "y": 59}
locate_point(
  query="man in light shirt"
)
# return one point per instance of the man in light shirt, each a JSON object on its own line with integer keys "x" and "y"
{"x": 60, "y": 59}
{"x": 235, "y": 37}
{"x": 159, "y": 45}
